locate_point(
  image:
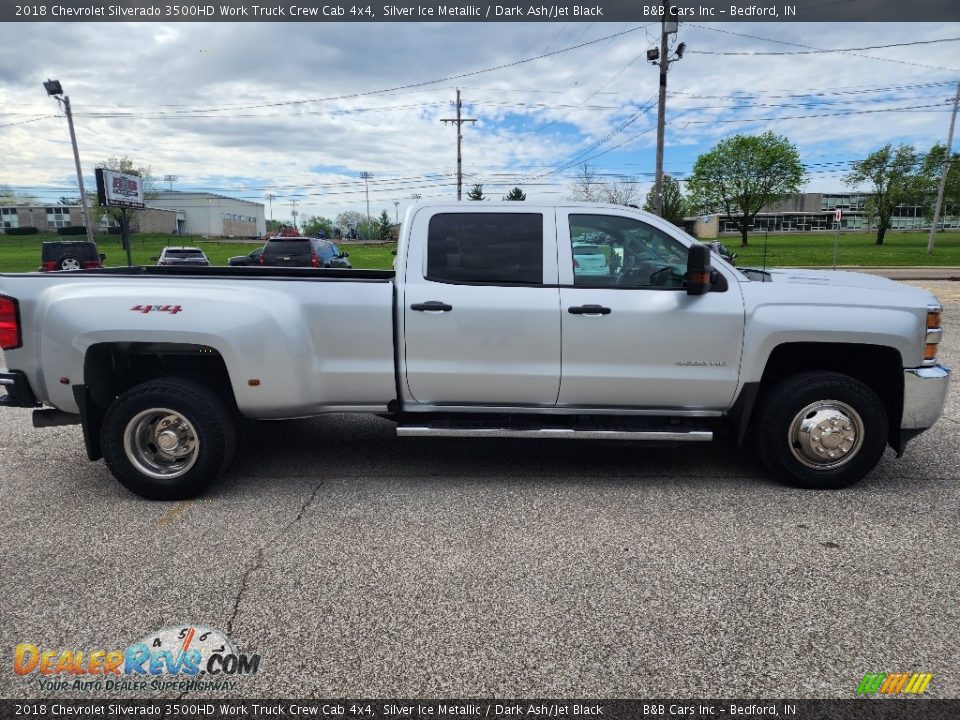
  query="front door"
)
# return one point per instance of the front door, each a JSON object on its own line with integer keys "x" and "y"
{"x": 632, "y": 337}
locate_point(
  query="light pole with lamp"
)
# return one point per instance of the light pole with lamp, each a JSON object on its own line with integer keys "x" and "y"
{"x": 54, "y": 89}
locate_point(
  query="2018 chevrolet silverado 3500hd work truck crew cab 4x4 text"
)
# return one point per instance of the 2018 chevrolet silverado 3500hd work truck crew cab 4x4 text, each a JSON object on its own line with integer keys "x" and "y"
{"x": 488, "y": 327}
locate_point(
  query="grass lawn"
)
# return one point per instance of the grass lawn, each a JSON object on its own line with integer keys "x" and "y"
{"x": 856, "y": 248}
{"x": 21, "y": 253}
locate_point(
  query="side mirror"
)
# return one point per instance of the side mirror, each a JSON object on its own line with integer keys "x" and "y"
{"x": 103, "y": 257}
{"x": 698, "y": 269}
{"x": 344, "y": 254}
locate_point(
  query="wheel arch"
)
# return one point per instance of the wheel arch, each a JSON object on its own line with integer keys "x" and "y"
{"x": 879, "y": 367}
{"x": 109, "y": 369}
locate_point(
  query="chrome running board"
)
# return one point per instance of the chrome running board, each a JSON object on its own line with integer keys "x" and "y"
{"x": 556, "y": 433}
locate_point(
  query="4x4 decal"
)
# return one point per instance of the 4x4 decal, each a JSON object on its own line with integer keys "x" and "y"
{"x": 172, "y": 309}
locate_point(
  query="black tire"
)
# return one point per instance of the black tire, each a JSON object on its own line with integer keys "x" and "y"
{"x": 195, "y": 418}
{"x": 801, "y": 432}
{"x": 69, "y": 262}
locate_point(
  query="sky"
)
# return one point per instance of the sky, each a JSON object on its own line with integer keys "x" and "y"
{"x": 299, "y": 110}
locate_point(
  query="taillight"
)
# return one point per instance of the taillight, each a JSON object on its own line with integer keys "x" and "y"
{"x": 9, "y": 324}
{"x": 934, "y": 333}
{"x": 50, "y": 265}
{"x": 261, "y": 260}
{"x": 90, "y": 264}
{"x": 314, "y": 261}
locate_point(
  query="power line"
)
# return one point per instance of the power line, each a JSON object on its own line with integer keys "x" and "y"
{"x": 810, "y": 47}
{"x": 827, "y": 50}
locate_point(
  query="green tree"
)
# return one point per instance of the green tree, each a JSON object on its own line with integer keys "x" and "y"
{"x": 382, "y": 226}
{"x": 476, "y": 193}
{"x": 274, "y": 226}
{"x": 742, "y": 174}
{"x": 316, "y": 224}
{"x": 351, "y": 224}
{"x": 674, "y": 203}
{"x": 516, "y": 194}
{"x": 893, "y": 177}
{"x": 930, "y": 171}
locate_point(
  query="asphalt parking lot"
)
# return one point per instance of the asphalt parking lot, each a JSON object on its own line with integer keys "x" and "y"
{"x": 360, "y": 565}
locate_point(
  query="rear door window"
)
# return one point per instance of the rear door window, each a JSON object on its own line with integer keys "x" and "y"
{"x": 185, "y": 253}
{"x": 294, "y": 249}
{"x": 489, "y": 248}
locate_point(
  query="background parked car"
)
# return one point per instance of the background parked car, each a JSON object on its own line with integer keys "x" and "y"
{"x": 180, "y": 256}
{"x": 589, "y": 259}
{"x": 303, "y": 252}
{"x": 251, "y": 258}
{"x": 70, "y": 255}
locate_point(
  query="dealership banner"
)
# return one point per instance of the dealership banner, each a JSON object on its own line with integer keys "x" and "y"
{"x": 187, "y": 707}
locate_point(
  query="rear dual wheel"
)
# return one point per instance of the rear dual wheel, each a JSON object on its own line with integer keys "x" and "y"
{"x": 821, "y": 430}
{"x": 168, "y": 439}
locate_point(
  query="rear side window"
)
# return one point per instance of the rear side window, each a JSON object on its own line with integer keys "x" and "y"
{"x": 55, "y": 250}
{"x": 494, "y": 248}
{"x": 184, "y": 253}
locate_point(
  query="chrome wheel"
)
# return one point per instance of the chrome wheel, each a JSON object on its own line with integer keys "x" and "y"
{"x": 826, "y": 434}
{"x": 161, "y": 443}
{"x": 69, "y": 264}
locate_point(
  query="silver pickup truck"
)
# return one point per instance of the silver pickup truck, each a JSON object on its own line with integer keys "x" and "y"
{"x": 500, "y": 320}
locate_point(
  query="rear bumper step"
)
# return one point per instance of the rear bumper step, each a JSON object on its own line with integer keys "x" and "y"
{"x": 557, "y": 433}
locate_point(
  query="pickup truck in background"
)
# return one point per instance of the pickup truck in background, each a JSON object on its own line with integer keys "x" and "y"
{"x": 487, "y": 327}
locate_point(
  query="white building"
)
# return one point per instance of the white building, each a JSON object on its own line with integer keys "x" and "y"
{"x": 200, "y": 213}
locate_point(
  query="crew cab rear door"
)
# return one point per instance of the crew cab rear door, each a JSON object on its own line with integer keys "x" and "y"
{"x": 632, "y": 337}
{"x": 480, "y": 307}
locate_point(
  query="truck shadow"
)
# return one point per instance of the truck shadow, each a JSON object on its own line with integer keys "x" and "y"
{"x": 361, "y": 446}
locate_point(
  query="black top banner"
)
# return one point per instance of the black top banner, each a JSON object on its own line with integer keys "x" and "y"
{"x": 842, "y": 11}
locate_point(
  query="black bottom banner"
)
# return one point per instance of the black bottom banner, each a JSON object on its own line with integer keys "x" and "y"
{"x": 853, "y": 709}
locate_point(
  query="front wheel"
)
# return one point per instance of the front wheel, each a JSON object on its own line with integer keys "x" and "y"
{"x": 821, "y": 430}
{"x": 168, "y": 439}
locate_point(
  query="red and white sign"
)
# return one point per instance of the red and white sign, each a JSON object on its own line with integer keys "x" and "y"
{"x": 838, "y": 215}
{"x": 119, "y": 189}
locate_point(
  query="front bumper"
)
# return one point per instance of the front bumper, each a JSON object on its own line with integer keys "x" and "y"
{"x": 924, "y": 394}
{"x": 19, "y": 393}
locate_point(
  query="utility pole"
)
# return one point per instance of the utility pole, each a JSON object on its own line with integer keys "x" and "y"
{"x": 366, "y": 182}
{"x": 396, "y": 208}
{"x": 947, "y": 155}
{"x": 459, "y": 121}
{"x": 667, "y": 27}
{"x": 293, "y": 204}
{"x": 270, "y": 197}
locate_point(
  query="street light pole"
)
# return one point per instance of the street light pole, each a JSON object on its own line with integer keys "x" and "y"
{"x": 366, "y": 182}
{"x": 54, "y": 89}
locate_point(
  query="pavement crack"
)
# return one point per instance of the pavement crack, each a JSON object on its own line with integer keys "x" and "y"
{"x": 258, "y": 558}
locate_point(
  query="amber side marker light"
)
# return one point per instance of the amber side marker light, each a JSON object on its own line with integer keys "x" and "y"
{"x": 934, "y": 333}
